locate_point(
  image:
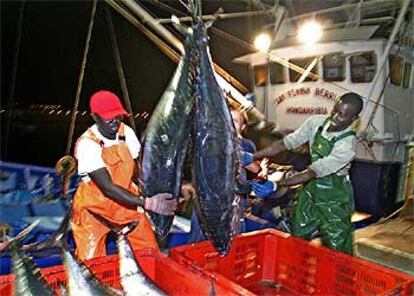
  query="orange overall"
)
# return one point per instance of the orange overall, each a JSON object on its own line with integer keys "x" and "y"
{"x": 88, "y": 233}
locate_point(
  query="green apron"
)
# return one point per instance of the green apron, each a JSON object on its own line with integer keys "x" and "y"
{"x": 325, "y": 204}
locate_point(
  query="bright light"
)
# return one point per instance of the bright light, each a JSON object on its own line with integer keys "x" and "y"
{"x": 262, "y": 42}
{"x": 310, "y": 33}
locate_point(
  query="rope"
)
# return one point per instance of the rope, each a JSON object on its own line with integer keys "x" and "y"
{"x": 13, "y": 82}
{"x": 80, "y": 81}
{"x": 119, "y": 68}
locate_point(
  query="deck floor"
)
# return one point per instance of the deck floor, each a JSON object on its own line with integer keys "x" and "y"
{"x": 390, "y": 243}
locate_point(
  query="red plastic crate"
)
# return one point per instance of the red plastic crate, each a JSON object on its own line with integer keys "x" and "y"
{"x": 173, "y": 278}
{"x": 269, "y": 262}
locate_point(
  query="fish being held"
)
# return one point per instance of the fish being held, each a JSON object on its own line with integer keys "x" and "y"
{"x": 166, "y": 138}
{"x": 133, "y": 280}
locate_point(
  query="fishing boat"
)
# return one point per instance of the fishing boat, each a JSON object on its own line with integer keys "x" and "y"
{"x": 298, "y": 77}
{"x": 293, "y": 81}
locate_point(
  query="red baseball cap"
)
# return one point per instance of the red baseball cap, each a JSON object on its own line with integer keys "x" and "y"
{"x": 106, "y": 104}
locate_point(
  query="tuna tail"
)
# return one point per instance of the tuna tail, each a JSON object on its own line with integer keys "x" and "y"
{"x": 58, "y": 239}
{"x": 184, "y": 30}
{"x": 194, "y": 7}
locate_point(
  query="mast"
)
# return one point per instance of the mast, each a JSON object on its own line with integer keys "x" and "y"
{"x": 225, "y": 80}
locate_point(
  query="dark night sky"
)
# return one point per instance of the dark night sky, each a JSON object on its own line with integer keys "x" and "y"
{"x": 49, "y": 61}
{"x": 48, "y": 65}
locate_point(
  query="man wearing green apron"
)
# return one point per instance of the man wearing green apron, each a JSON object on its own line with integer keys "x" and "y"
{"x": 325, "y": 202}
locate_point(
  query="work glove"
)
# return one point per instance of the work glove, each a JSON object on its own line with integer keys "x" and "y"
{"x": 265, "y": 189}
{"x": 161, "y": 203}
{"x": 247, "y": 158}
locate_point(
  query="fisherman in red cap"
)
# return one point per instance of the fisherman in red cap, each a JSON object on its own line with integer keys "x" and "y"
{"x": 106, "y": 155}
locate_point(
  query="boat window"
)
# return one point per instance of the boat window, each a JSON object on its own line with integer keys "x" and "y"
{"x": 407, "y": 75}
{"x": 395, "y": 64}
{"x": 363, "y": 67}
{"x": 277, "y": 73}
{"x": 303, "y": 63}
{"x": 260, "y": 73}
{"x": 333, "y": 67}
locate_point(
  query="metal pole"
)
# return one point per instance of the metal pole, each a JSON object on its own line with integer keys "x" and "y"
{"x": 220, "y": 73}
{"x": 384, "y": 58}
{"x": 220, "y": 16}
{"x": 373, "y": 3}
{"x": 266, "y": 89}
{"x": 148, "y": 20}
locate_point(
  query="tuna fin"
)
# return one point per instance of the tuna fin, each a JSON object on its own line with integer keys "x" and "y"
{"x": 63, "y": 290}
{"x": 117, "y": 228}
{"x": 58, "y": 238}
{"x": 28, "y": 279}
{"x": 216, "y": 15}
{"x": 184, "y": 30}
{"x": 19, "y": 237}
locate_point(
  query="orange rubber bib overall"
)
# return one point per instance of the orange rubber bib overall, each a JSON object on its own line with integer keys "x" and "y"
{"x": 89, "y": 234}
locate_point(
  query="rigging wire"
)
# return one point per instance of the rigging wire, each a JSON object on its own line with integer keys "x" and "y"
{"x": 294, "y": 67}
{"x": 395, "y": 30}
{"x": 119, "y": 68}
{"x": 251, "y": 47}
{"x": 81, "y": 75}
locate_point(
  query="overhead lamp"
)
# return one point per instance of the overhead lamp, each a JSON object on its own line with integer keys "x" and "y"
{"x": 262, "y": 42}
{"x": 310, "y": 32}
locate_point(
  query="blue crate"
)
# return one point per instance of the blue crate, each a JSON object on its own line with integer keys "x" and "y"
{"x": 175, "y": 239}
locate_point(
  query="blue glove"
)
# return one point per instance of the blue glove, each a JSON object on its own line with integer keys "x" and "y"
{"x": 247, "y": 158}
{"x": 265, "y": 189}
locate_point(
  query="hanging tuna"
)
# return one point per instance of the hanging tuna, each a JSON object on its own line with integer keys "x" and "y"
{"x": 215, "y": 150}
{"x": 166, "y": 138}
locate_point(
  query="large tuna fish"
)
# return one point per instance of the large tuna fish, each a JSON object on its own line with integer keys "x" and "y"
{"x": 215, "y": 150}
{"x": 133, "y": 280}
{"x": 80, "y": 280}
{"x": 28, "y": 280}
{"x": 27, "y": 277}
{"x": 166, "y": 138}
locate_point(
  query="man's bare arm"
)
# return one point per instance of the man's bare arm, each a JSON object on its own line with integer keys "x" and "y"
{"x": 299, "y": 178}
{"x": 118, "y": 194}
{"x": 272, "y": 150}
